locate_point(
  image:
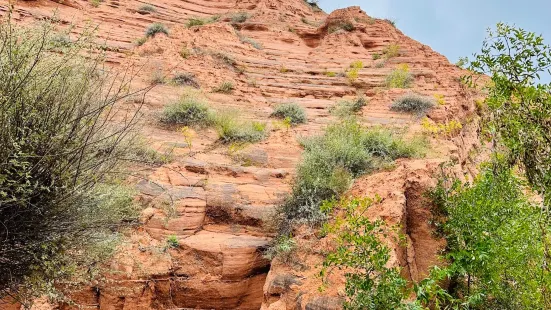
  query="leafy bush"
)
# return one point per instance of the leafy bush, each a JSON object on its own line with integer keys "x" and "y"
{"x": 58, "y": 151}
{"x": 240, "y": 17}
{"x": 225, "y": 88}
{"x": 495, "y": 247}
{"x": 400, "y": 77}
{"x": 185, "y": 79}
{"x": 330, "y": 162}
{"x": 188, "y": 111}
{"x": 231, "y": 129}
{"x": 347, "y": 108}
{"x": 154, "y": 29}
{"x": 413, "y": 103}
{"x": 147, "y": 9}
{"x": 370, "y": 284}
{"x": 291, "y": 111}
{"x": 330, "y": 74}
{"x": 376, "y": 56}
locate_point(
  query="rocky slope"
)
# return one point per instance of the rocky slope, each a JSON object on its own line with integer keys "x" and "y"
{"x": 217, "y": 203}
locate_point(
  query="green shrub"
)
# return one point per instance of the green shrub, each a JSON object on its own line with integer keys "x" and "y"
{"x": 188, "y": 111}
{"x": 376, "y": 56}
{"x": 370, "y": 284}
{"x": 283, "y": 248}
{"x": 154, "y": 29}
{"x": 291, "y": 111}
{"x": 399, "y": 78}
{"x": 413, "y": 103}
{"x": 196, "y": 21}
{"x": 348, "y": 107}
{"x": 225, "y": 88}
{"x": 147, "y": 9}
{"x": 240, "y": 17}
{"x": 172, "y": 241}
{"x": 60, "y": 205}
{"x": 231, "y": 129}
{"x": 494, "y": 242}
{"x": 185, "y": 79}
{"x": 330, "y": 163}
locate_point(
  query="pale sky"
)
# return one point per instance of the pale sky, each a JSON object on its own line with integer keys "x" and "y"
{"x": 454, "y": 28}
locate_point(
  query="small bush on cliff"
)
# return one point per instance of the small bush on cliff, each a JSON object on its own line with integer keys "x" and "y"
{"x": 185, "y": 79}
{"x": 155, "y": 29}
{"x": 60, "y": 207}
{"x": 330, "y": 162}
{"x": 291, "y": 111}
{"x": 399, "y": 77}
{"x": 413, "y": 103}
{"x": 347, "y": 108}
{"x": 225, "y": 87}
{"x": 147, "y": 9}
{"x": 240, "y": 17}
{"x": 231, "y": 129}
{"x": 188, "y": 111}
{"x": 196, "y": 21}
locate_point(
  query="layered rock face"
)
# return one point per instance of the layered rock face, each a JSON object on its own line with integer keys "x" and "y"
{"x": 217, "y": 201}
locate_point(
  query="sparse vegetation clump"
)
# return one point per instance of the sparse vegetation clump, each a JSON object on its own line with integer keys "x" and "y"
{"x": 292, "y": 112}
{"x": 231, "y": 129}
{"x": 197, "y": 21}
{"x": 188, "y": 111}
{"x": 282, "y": 248}
{"x": 252, "y": 42}
{"x": 147, "y": 9}
{"x": 347, "y": 26}
{"x": 155, "y": 29}
{"x": 185, "y": 79}
{"x": 391, "y": 51}
{"x": 330, "y": 162}
{"x": 346, "y": 108}
{"x": 225, "y": 87}
{"x": 240, "y": 17}
{"x": 399, "y": 77}
{"x": 413, "y": 103}
{"x": 376, "y": 56}
{"x": 61, "y": 205}
{"x": 357, "y": 64}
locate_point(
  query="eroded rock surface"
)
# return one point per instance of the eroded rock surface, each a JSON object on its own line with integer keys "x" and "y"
{"x": 217, "y": 202}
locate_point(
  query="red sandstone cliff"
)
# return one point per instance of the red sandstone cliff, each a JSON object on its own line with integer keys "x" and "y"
{"x": 220, "y": 204}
